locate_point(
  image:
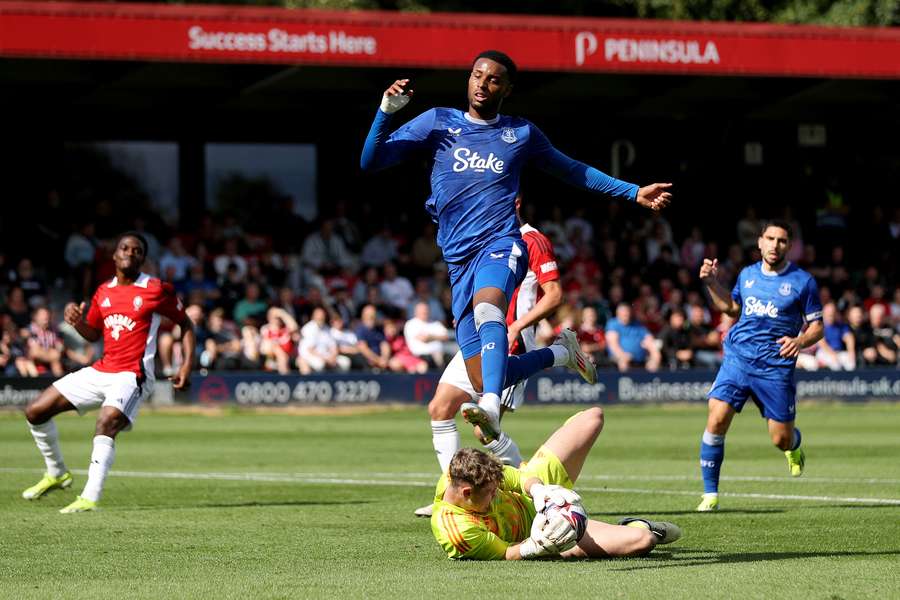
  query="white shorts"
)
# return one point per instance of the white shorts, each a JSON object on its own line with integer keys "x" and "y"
{"x": 455, "y": 374}
{"x": 88, "y": 388}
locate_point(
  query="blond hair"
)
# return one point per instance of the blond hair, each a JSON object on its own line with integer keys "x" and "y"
{"x": 476, "y": 468}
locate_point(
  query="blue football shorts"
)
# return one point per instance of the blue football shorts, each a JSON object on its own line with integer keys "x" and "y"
{"x": 775, "y": 398}
{"x": 501, "y": 264}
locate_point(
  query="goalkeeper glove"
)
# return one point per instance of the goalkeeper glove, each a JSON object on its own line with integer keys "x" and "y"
{"x": 553, "y": 494}
{"x": 549, "y": 537}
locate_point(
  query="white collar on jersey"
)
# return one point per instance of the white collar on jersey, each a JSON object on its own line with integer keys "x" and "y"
{"x": 142, "y": 281}
{"x": 762, "y": 269}
{"x": 472, "y": 119}
{"x": 525, "y": 228}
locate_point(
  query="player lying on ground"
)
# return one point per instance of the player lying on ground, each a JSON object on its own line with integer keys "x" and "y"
{"x": 539, "y": 295}
{"x": 486, "y": 511}
{"x": 126, "y": 312}
{"x": 771, "y": 299}
{"x": 477, "y": 158}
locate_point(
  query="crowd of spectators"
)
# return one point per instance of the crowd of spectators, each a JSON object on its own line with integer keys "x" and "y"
{"x": 354, "y": 296}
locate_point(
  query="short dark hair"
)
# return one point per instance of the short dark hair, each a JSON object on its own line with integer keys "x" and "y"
{"x": 500, "y": 57}
{"x": 136, "y": 235}
{"x": 780, "y": 223}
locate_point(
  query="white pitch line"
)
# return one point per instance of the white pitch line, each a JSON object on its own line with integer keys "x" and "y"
{"x": 320, "y": 479}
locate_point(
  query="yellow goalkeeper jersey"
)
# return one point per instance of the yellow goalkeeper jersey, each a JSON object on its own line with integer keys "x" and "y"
{"x": 484, "y": 536}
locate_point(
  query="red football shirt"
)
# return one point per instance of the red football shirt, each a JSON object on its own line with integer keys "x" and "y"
{"x": 129, "y": 317}
{"x": 541, "y": 269}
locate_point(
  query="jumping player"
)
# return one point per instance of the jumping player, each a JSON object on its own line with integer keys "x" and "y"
{"x": 771, "y": 299}
{"x": 485, "y": 511}
{"x": 477, "y": 158}
{"x": 126, "y": 312}
{"x": 539, "y": 295}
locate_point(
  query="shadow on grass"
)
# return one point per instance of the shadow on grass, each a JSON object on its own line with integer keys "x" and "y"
{"x": 653, "y": 513}
{"x": 248, "y": 504}
{"x": 676, "y": 557}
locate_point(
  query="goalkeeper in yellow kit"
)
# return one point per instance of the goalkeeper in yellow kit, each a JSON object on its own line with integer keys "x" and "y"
{"x": 485, "y": 511}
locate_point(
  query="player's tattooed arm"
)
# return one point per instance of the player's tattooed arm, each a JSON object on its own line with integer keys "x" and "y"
{"x": 74, "y": 316}
{"x": 721, "y": 299}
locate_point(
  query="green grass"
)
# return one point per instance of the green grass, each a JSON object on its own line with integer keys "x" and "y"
{"x": 335, "y": 517}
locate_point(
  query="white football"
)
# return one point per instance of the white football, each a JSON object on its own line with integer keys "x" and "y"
{"x": 573, "y": 513}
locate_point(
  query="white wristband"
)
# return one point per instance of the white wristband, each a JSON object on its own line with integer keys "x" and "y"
{"x": 391, "y": 104}
{"x": 529, "y": 549}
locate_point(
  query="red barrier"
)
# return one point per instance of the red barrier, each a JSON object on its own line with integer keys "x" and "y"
{"x": 257, "y": 35}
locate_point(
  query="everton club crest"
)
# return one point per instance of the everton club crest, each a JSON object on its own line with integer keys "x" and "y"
{"x": 785, "y": 289}
{"x": 508, "y": 135}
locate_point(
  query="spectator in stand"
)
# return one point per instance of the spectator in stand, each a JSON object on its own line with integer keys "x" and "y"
{"x": 591, "y": 336}
{"x": 222, "y": 348}
{"x": 346, "y": 228}
{"x": 423, "y": 294}
{"x": 176, "y": 261}
{"x": 318, "y": 349}
{"x": 836, "y": 350}
{"x": 876, "y": 296}
{"x": 676, "y": 341}
{"x": 887, "y": 340}
{"x": 81, "y": 247}
{"x": 44, "y": 347}
{"x": 578, "y": 229}
{"x": 341, "y": 304}
{"x": 630, "y": 343}
{"x": 425, "y": 336}
{"x": 706, "y": 343}
{"x": 7, "y": 356}
{"x": 693, "y": 249}
{"x": 646, "y": 310}
{"x": 748, "y": 229}
{"x": 402, "y": 360}
{"x": 252, "y": 307}
{"x": 347, "y": 343}
{"x": 325, "y": 251}
{"x": 592, "y": 297}
{"x": 33, "y": 286}
{"x": 395, "y": 289}
{"x": 380, "y": 249}
{"x": 230, "y": 257}
{"x": 198, "y": 282}
{"x": 863, "y": 338}
{"x": 276, "y": 345}
{"x": 231, "y": 287}
{"x": 171, "y": 354}
{"x": 16, "y": 308}
{"x": 15, "y": 347}
{"x": 370, "y": 278}
{"x": 371, "y": 341}
{"x": 894, "y": 308}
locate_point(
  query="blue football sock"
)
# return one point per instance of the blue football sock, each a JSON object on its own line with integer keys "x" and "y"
{"x": 525, "y": 365}
{"x": 494, "y": 348}
{"x": 797, "y": 439}
{"x": 712, "y": 453}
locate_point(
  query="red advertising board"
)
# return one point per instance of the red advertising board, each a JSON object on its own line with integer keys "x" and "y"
{"x": 258, "y": 35}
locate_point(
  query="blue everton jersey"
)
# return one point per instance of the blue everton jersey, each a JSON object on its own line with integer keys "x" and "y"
{"x": 773, "y": 305}
{"x": 476, "y": 166}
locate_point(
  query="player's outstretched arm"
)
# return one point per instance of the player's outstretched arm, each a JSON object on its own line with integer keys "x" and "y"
{"x": 74, "y": 316}
{"x": 655, "y": 196}
{"x": 719, "y": 296}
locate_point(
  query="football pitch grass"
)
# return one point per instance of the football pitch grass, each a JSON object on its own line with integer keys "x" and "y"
{"x": 276, "y": 505}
